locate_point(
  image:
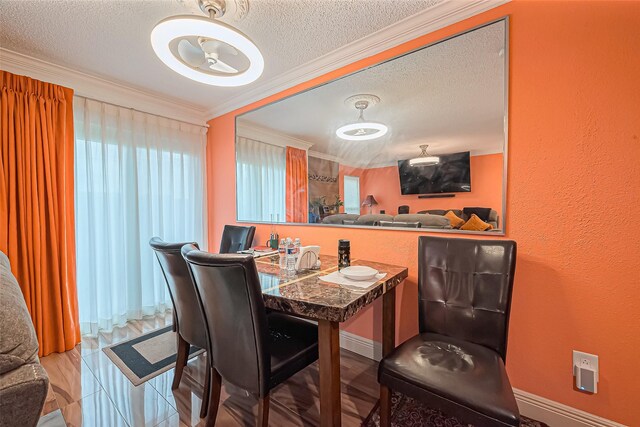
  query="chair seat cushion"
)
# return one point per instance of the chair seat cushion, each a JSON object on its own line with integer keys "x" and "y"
{"x": 458, "y": 377}
{"x": 293, "y": 344}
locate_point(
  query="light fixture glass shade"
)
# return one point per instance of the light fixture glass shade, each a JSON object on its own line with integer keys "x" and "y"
{"x": 196, "y": 26}
{"x": 380, "y": 131}
{"x": 424, "y": 161}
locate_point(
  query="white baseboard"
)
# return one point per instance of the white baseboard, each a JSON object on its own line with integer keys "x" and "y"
{"x": 539, "y": 408}
{"x": 557, "y": 414}
{"x": 362, "y": 346}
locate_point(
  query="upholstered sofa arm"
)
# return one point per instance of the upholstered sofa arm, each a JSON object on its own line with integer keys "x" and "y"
{"x": 22, "y": 395}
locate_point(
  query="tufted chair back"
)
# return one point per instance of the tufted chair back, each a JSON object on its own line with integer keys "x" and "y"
{"x": 465, "y": 287}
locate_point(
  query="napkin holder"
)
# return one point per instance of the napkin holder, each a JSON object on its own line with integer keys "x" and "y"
{"x": 309, "y": 258}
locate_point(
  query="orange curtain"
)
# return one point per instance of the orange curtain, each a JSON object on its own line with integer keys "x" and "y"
{"x": 36, "y": 204}
{"x": 297, "y": 184}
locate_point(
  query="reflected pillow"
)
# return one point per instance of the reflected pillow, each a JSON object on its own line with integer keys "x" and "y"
{"x": 482, "y": 213}
{"x": 476, "y": 224}
{"x": 454, "y": 219}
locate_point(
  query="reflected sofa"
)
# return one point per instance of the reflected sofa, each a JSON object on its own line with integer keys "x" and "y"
{"x": 23, "y": 381}
{"x": 493, "y": 215}
{"x": 425, "y": 220}
{"x": 338, "y": 218}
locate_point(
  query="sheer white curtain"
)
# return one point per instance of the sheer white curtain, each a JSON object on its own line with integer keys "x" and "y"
{"x": 260, "y": 181}
{"x": 136, "y": 176}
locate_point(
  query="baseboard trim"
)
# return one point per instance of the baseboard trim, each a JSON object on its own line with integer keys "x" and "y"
{"x": 362, "y": 346}
{"x": 557, "y": 414}
{"x": 533, "y": 406}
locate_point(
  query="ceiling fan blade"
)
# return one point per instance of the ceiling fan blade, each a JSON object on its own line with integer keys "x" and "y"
{"x": 211, "y": 46}
{"x": 190, "y": 54}
{"x": 222, "y": 67}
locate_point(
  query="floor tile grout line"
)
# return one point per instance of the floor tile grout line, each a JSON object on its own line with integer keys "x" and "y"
{"x": 276, "y": 402}
{"x": 55, "y": 393}
{"x": 175, "y": 411}
{"x": 103, "y": 388}
{"x": 73, "y": 403}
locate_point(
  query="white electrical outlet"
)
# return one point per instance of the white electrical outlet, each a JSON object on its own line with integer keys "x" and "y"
{"x": 586, "y": 371}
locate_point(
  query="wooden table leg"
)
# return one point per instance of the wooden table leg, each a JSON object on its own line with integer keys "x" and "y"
{"x": 388, "y": 344}
{"x": 388, "y": 321}
{"x": 329, "y": 355}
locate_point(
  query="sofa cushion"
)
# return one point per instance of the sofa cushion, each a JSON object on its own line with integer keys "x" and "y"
{"x": 442, "y": 212}
{"x": 427, "y": 220}
{"x": 476, "y": 224}
{"x": 482, "y": 213}
{"x": 18, "y": 342}
{"x": 455, "y": 220}
{"x": 338, "y": 218}
{"x": 400, "y": 224}
{"x": 373, "y": 219}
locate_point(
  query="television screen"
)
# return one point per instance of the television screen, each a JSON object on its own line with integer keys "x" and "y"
{"x": 451, "y": 175}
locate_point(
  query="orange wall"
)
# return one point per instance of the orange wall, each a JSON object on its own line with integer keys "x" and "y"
{"x": 574, "y": 175}
{"x": 486, "y": 188}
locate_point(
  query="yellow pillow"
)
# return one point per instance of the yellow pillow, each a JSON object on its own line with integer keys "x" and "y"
{"x": 454, "y": 219}
{"x": 476, "y": 224}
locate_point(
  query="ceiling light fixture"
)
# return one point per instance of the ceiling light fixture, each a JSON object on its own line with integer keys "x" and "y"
{"x": 173, "y": 41}
{"x": 362, "y": 130}
{"x": 424, "y": 159}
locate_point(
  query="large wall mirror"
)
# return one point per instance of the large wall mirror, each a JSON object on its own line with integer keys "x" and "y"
{"x": 416, "y": 142}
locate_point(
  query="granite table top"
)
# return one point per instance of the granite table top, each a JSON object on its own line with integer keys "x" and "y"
{"x": 305, "y": 294}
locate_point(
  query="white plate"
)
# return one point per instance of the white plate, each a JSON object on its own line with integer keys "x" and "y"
{"x": 359, "y": 272}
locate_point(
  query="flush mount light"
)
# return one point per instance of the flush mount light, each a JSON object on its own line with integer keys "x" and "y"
{"x": 362, "y": 130}
{"x": 424, "y": 159}
{"x": 207, "y": 50}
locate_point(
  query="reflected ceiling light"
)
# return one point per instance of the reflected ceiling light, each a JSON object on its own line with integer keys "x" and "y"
{"x": 205, "y": 49}
{"x": 424, "y": 159}
{"x": 362, "y": 130}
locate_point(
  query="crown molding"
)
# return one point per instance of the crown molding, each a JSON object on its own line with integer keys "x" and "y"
{"x": 324, "y": 156}
{"x": 438, "y": 16}
{"x": 270, "y": 136}
{"x": 364, "y": 164}
{"x": 427, "y": 21}
{"x": 101, "y": 89}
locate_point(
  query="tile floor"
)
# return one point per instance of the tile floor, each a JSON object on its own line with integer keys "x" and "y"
{"x": 87, "y": 389}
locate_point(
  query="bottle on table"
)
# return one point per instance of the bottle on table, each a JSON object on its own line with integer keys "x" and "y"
{"x": 291, "y": 258}
{"x": 282, "y": 252}
{"x": 344, "y": 254}
{"x": 296, "y": 246}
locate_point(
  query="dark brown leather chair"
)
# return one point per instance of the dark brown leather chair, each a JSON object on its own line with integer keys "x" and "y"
{"x": 188, "y": 320}
{"x": 248, "y": 348}
{"x": 456, "y": 363}
{"x": 236, "y": 238}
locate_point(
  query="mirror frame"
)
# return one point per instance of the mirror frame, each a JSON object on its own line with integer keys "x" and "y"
{"x": 505, "y": 151}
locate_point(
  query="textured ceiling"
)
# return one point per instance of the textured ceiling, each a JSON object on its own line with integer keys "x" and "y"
{"x": 449, "y": 95}
{"x": 110, "y": 38}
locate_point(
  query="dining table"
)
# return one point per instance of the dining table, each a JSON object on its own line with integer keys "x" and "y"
{"x": 306, "y": 294}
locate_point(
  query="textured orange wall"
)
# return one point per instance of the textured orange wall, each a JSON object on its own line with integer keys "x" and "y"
{"x": 486, "y": 188}
{"x": 573, "y": 195}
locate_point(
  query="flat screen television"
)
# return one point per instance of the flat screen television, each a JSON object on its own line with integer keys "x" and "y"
{"x": 451, "y": 175}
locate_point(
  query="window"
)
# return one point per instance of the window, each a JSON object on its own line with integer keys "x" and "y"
{"x": 136, "y": 176}
{"x": 352, "y": 194}
{"x": 260, "y": 181}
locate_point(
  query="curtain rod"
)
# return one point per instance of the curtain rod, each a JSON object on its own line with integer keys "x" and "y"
{"x": 144, "y": 112}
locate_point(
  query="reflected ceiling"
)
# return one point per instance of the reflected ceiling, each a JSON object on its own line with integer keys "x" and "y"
{"x": 449, "y": 95}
